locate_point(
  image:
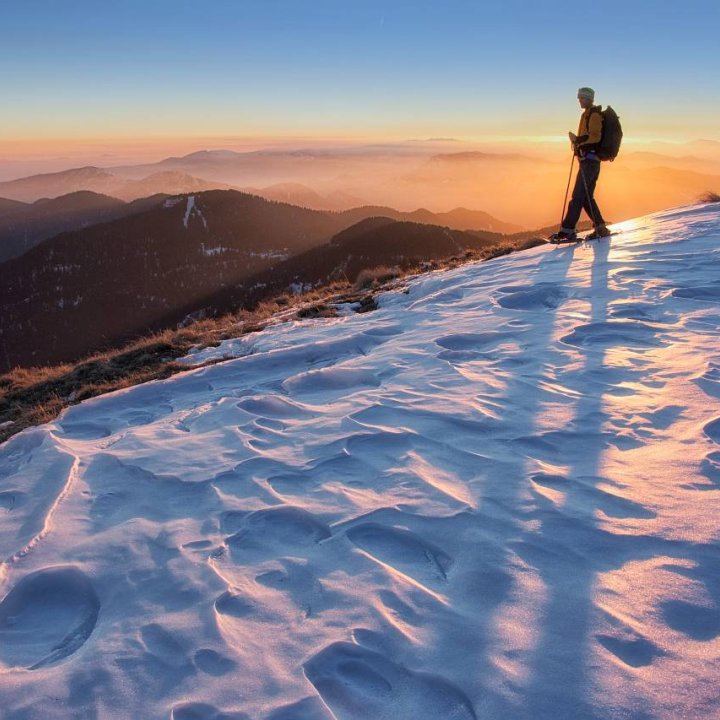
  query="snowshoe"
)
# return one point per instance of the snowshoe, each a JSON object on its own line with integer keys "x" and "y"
{"x": 563, "y": 236}
{"x": 599, "y": 232}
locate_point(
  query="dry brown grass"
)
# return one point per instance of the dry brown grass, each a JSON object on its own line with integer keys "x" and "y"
{"x": 31, "y": 396}
{"x": 374, "y": 277}
{"x": 709, "y": 197}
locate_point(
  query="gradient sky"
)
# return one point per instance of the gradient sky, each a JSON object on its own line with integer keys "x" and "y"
{"x": 152, "y": 68}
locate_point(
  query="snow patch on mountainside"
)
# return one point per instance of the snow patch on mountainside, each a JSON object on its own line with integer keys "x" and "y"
{"x": 192, "y": 208}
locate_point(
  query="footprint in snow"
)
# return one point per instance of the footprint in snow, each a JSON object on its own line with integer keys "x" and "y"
{"x": 470, "y": 341}
{"x": 712, "y": 430}
{"x": 47, "y": 617}
{"x": 84, "y": 431}
{"x": 298, "y": 581}
{"x": 11, "y": 499}
{"x": 616, "y": 333}
{"x": 710, "y": 468}
{"x": 213, "y": 663}
{"x": 633, "y": 651}
{"x": 278, "y": 527}
{"x": 698, "y": 622}
{"x": 273, "y": 406}
{"x": 409, "y": 552}
{"x": 233, "y": 605}
{"x": 332, "y": 380}
{"x": 706, "y": 293}
{"x": 357, "y": 684}
{"x": 710, "y": 381}
{"x": 542, "y": 296}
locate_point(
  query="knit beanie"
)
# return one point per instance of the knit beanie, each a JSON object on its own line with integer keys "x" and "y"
{"x": 586, "y": 92}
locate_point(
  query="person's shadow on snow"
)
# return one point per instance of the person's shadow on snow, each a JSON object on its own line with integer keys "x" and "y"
{"x": 567, "y": 547}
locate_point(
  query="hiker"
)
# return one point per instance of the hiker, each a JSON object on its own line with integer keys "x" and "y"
{"x": 585, "y": 145}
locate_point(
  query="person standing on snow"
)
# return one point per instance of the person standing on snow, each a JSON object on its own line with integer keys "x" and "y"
{"x": 585, "y": 145}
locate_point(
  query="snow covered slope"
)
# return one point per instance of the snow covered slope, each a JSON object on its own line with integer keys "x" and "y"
{"x": 495, "y": 497}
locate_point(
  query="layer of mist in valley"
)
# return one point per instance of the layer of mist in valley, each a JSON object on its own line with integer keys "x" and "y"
{"x": 518, "y": 182}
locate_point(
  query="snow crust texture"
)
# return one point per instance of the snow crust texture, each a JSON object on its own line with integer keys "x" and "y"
{"x": 495, "y": 497}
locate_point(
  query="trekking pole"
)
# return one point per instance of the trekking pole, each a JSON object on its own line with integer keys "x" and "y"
{"x": 567, "y": 190}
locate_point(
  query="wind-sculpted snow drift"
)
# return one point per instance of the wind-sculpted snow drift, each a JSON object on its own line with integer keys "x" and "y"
{"x": 495, "y": 497}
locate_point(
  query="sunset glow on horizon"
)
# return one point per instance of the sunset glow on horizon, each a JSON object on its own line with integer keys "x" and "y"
{"x": 379, "y": 71}
{"x": 388, "y": 88}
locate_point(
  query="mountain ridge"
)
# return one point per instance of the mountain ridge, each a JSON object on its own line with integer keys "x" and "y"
{"x": 183, "y": 250}
{"x": 179, "y": 251}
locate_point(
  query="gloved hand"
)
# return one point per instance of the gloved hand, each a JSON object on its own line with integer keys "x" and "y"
{"x": 574, "y": 144}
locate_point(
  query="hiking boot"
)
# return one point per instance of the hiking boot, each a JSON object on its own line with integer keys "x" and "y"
{"x": 600, "y": 231}
{"x": 563, "y": 236}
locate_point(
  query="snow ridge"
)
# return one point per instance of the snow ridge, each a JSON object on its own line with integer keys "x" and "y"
{"x": 496, "y": 496}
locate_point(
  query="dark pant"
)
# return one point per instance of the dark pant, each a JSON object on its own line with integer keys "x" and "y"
{"x": 582, "y": 198}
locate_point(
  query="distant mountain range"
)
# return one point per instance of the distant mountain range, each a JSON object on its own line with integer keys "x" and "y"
{"x": 458, "y": 219}
{"x": 25, "y": 225}
{"x": 105, "y": 182}
{"x": 643, "y": 158}
{"x": 299, "y": 194}
{"x": 95, "y": 287}
{"x": 476, "y": 156}
{"x": 8, "y": 206}
{"x": 523, "y": 187}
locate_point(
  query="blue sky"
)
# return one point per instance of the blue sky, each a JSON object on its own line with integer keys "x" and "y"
{"x": 129, "y": 68}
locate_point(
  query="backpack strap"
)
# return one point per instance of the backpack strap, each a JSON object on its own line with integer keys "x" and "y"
{"x": 594, "y": 109}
